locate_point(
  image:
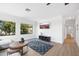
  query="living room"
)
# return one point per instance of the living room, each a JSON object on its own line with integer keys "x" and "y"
{"x": 45, "y": 25}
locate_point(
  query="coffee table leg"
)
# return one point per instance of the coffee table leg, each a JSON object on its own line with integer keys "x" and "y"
{"x": 21, "y": 51}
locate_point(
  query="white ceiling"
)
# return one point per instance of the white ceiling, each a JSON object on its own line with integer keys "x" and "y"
{"x": 39, "y": 10}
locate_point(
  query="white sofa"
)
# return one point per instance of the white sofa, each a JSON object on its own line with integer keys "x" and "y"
{"x": 4, "y": 43}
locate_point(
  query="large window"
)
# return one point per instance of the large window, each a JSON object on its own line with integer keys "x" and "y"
{"x": 26, "y": 29}
{"x": 7, "y": 28}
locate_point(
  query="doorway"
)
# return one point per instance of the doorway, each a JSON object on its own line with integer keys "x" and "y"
{"x": 70, "y": 32}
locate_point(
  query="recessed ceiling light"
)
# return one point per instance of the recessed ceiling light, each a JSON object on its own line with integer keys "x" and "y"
{"x": 27, "y": 9}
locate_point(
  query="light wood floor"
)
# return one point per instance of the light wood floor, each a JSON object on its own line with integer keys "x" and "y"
{"x": 68, "y": 48}
{"x": 57, "y": 50}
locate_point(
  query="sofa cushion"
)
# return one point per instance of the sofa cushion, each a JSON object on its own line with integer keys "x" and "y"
{"x": 4, "y": 44}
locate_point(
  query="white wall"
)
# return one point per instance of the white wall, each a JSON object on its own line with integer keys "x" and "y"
{"x": 55, "y": 31}
{"x": 77, "y": 30}
{"x": 18, "y": 21}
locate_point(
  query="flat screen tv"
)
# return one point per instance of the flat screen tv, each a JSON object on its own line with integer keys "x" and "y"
{"x": 44, "y": 26}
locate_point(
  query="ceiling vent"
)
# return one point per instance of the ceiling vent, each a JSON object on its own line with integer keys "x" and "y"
{"x": 27, "y": 9}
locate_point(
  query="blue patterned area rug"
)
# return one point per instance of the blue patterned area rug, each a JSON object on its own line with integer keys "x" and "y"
{"x": 39, "y": 46}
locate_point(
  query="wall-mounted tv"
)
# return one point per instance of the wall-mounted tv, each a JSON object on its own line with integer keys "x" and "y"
{"x": 44, "y": 26}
